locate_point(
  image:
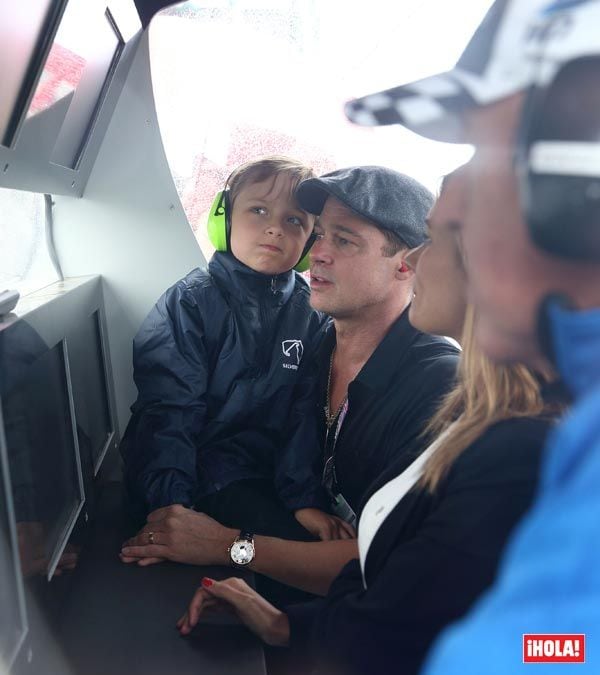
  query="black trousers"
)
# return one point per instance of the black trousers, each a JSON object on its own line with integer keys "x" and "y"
{"x": 253, "y": 505}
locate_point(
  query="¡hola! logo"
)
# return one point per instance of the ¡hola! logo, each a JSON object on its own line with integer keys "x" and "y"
{"x": 554, "y": 648}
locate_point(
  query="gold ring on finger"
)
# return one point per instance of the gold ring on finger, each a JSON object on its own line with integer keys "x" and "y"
{"x": 150, "y": 537}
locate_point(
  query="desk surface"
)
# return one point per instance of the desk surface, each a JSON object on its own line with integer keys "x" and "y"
{"x": 120, "y": 619}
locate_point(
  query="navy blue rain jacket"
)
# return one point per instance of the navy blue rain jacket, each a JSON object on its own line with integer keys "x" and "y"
{"x": 219, "y": 364}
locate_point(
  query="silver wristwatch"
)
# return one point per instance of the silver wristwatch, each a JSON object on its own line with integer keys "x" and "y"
{"x": 241, "y": 552}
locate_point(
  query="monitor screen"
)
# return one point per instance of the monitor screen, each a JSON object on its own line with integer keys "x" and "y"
{"x": 12, "y": 610}
{"x": 95, "y": 429}
{"x": 42, "y": 448}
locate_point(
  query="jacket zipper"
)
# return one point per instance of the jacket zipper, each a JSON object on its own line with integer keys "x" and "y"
{"x": 266, "y": 325}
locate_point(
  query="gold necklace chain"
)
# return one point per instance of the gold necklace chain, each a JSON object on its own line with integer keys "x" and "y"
{"x": 329, "y": 417}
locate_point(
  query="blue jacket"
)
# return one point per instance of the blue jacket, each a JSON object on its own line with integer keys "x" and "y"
{"x": 549, "y": 581}
{"x": 219, "y": 364}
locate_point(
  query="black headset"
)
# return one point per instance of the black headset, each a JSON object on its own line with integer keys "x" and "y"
{"x": 558, "y": 161}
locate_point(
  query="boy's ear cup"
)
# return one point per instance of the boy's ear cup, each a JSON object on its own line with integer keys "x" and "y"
{"x": 304, "y": 263}
{"x": 218, "y": 221}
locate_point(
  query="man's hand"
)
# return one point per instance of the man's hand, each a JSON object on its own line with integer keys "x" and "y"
{"x": 182, "y": 535}
{"x": 234, "y": 595}
{"x": 324, "y": 525}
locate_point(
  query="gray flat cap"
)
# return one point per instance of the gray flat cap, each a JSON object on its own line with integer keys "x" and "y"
{"x": 389, "y": 199}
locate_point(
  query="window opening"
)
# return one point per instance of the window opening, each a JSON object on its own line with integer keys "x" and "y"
{"x": 25, "y": 263}
{"x": 237, "y": 79}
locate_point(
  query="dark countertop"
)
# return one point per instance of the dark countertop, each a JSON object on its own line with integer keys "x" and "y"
{"x": 120, "y": 619}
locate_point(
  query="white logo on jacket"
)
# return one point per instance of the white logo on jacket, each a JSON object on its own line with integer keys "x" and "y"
{"x": 293, "y": 349}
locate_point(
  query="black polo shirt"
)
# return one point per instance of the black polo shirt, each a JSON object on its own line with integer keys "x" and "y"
{"x": 389, "y": 402}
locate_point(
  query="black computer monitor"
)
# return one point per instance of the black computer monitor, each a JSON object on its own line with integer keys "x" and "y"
{"x": 89, "y": 376}
{"x": 13, "y": 620}
{"x": 41, "y": 445}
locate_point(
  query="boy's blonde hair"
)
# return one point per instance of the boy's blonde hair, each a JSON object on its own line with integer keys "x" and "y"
{"x": 486, "y": 393}
{"x": 259, "y": 170}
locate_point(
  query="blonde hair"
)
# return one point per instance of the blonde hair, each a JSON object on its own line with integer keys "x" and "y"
{"x": 259, "y": 170}
{"x": 486, "y": 393}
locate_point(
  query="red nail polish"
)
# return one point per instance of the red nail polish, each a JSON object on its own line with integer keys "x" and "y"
{"x": 206, "y": 582}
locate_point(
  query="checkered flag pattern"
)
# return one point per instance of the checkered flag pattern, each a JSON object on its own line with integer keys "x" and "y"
{"x": 505, "y": 55}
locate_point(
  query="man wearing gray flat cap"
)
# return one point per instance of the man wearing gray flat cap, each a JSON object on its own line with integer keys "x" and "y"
{"x": 369, "y": 217}
{"x": 388, "y": 199}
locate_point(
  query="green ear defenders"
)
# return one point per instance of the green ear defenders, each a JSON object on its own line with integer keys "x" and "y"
{"x": 219, "y": 228}
{"x": 218, "y": 221}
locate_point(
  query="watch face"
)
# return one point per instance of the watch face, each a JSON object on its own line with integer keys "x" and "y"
{"x": 242, "y": 552}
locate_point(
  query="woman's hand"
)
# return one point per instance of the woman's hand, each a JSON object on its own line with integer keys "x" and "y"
{"x": 234, "y": 595}
{"x": 324, "y": 525}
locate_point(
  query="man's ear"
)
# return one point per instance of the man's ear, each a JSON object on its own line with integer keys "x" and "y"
{"x": 404, "y": 271}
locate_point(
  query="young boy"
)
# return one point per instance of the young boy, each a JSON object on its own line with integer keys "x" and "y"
{"x": 223, "y": 417}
